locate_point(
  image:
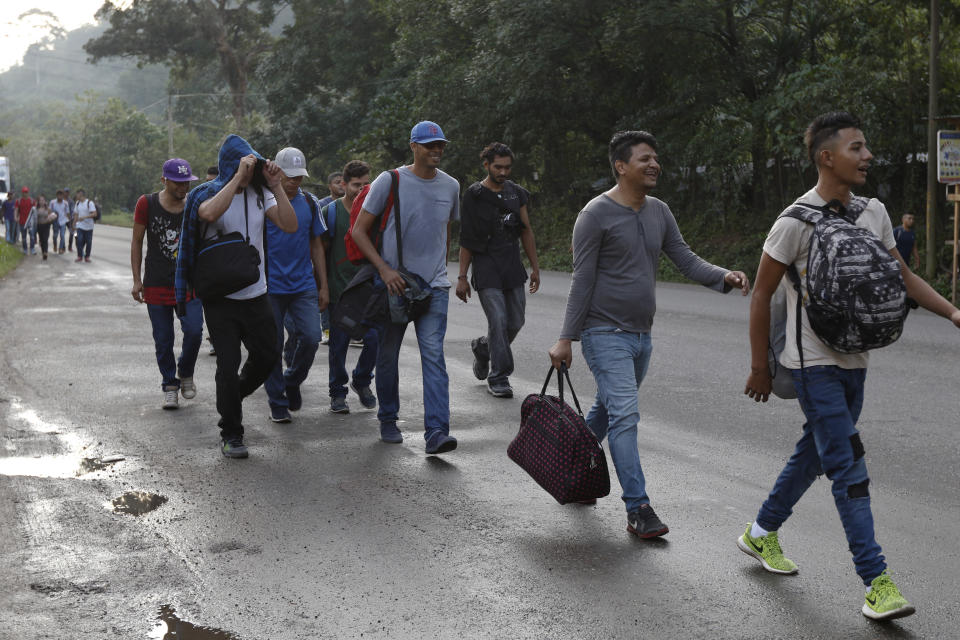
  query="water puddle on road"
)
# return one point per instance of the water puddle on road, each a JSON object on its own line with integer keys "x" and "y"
{"x": 170, "y": 627}
{"x": 137, "y": 503}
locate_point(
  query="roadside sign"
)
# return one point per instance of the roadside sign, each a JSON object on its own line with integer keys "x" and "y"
{"x": 948, "y": 157}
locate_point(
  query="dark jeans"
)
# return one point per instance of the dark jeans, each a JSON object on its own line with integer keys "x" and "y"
{"x": 230, "y": 324}
{"x": 337, "y": 359}
{"x": 58, "y": 233}
{"x": 505, "y": 310}
{"x": 26, "y": 230}
{"x": 161, "y": 318}
{"x": 831, "y": 399}
{"x": 300, "y": 309}
{"x": 43, "y": 230}
{"x": 84, "y": 242}
{"x": 70, "y": 235}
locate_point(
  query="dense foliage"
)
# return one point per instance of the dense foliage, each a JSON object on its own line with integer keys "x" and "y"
{"x": 726, "y": 85}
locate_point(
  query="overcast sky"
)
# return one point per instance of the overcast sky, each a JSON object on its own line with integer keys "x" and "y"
{"x": 19, "y": 34}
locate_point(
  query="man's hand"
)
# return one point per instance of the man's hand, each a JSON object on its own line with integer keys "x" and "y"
{"x": 463, "y": 288}
{"x": 534, "y": 281}
{"x": 955, "y": 318}
{"x": 759, "y": 384}
{"x": 272, "y": 174}
{"x": 738, "y": 279}
{"x": 137, "y": 292}
{"x": 394, "y": 281}
{"x": 323, "y": 298}
{"x": 561, "y": 353}
{"x": 245, "y": 169}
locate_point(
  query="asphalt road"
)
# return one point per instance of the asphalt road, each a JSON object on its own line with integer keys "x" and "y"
{"x": 325, "y": 532}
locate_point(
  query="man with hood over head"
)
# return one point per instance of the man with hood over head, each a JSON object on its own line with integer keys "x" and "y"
{"x": 246, "y": 191}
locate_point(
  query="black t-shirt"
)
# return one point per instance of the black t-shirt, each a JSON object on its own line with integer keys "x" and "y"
{"x": 490, "y": 228}
{"x": 163, "y": 240}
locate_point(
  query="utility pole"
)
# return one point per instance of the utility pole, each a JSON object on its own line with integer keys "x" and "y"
{"x": 932, "y": 108}
{"x": 170, "y": 125}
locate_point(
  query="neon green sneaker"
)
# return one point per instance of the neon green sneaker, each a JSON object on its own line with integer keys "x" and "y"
{"x": 766, "y": 549}
{"x": 885, "y": 602}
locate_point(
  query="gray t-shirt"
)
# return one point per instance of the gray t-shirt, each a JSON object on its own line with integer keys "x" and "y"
{"x": 426, "y": 207}
{"x": 615, "y": 255}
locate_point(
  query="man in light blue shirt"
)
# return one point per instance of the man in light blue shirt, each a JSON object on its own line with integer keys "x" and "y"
{"x": 429, "y": 201}
{"x": 297, "y": 285}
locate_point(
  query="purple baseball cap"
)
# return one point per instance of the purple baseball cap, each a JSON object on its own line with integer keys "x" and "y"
{"x": 426, "y": 131}
{"x": 178, "y": 170}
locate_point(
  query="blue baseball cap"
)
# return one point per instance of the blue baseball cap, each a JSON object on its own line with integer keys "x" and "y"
{"x": 426, "y": 131}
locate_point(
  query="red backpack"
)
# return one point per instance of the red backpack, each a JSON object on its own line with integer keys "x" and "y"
{"x": 354, "y": 255}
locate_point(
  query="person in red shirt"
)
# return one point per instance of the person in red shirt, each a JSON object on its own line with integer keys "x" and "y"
{"x": 23, "y": 206}
{"x": 159, "y": 217}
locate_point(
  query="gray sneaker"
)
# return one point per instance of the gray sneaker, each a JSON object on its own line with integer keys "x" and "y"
{"x": 481, "y": 358}
{"x": 170, "y": 397}
{"x": 339, "y": 405}
{"x": 499, "y": 389}
{"x": 188, "y": 389}
{"x": 233, "y": 448}
{"x": 367, "y": 399}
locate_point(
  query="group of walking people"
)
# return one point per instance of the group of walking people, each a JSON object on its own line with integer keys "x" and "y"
{"x": 61, "y": 219}
{"x": 305, "y": 249}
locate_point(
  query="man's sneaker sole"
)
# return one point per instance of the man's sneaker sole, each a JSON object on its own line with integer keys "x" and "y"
{"x": 281, "y": 419}
{"x": 500, "y": 393}
{"x": 750, "y": 551}
{"x": 650, "y": 534}
{"x": 893, "y": 614}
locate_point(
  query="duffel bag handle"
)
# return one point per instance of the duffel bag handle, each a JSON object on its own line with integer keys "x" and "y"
{"x": 564, "y": 372}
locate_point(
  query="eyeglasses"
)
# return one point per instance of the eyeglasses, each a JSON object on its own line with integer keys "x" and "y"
{"x": 436, "y": 145}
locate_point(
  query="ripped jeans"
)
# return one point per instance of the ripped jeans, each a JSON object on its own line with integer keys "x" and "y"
{"x": 831, "y": 399}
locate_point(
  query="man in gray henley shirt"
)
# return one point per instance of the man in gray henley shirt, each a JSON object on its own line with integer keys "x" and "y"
{"x": 617, "y": 241}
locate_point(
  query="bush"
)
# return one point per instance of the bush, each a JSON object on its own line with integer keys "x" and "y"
{"x": 118, "y": 218}
{"x": 10, "y": 257}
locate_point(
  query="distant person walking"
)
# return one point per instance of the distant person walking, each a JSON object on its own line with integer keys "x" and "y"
{"x": 429, "y": 203}
{"x": 296, "y": 284}
{"x": 335, "y": 186}
{"x": 60, "y": 206}
{"x": 71, "y": 225}
{"x": 84, "y": 216}
{"x": 24, "y": 207}
{"x": 159, "y": 217}
{"x": 356, "y": 175}
{"x": 246, "y": 193}
{"x": 493, "y": 223}
{"x": 45, "y": 217}
{"x": 10, "y": 220}
{"x": 617, "y": 241}
{"x": 907, "y": 240}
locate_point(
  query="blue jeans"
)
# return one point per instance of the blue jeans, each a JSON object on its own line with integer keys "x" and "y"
{"x": 431, "y": 328}
{"x": 337, "y": 359}
{"x": 618, "y": 361}
{"x": 84, "y": 242}
{"x": 28, "y": 230}
{"x": 831, "y": 399}
{"x": 58, "y": 232}
{"x": 161, "y": 317}
{"x": 303, "y": 310}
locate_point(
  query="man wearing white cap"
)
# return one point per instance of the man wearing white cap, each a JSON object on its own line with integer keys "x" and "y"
{"x": 159, "y": 217}
{"x": 296, "y": 284}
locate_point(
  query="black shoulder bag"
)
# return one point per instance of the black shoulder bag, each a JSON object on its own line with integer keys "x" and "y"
{"x": 226, "y": 263}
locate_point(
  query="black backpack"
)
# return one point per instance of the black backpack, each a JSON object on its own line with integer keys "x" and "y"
{"x": 856, "y": 298}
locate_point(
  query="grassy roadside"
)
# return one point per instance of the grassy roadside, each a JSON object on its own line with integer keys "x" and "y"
{"x": 10, "y": 257}
{"x": 117, "y": 218}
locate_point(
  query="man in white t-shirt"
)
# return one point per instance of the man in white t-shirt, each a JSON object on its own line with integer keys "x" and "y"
{"x": 245, "y": 196}
{"x": 830, "y": 384}
{"x": 84, "y": 215}
{"x": 62, "y": 207}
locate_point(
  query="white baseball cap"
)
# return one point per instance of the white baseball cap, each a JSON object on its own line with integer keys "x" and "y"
{"x": 292, "y": 162}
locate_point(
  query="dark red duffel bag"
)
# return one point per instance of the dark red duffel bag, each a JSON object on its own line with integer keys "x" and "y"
{"x": 556, "y": 447}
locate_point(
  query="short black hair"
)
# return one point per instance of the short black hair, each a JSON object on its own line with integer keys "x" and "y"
{"x": 494, "y": 150}
{"x": 213, "y": 171}
{"x": 355, "y": 169}
{"x": 622, "y": 144}
{"x": 333, "y": 176}
{"x": 824, "y": 127}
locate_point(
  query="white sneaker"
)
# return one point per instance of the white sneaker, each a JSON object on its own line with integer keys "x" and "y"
{"x": 170, "y": 400}
{"x": 187, "y": 389}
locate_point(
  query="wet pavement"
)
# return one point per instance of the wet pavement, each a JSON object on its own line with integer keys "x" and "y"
{"x": 121, "y": 520}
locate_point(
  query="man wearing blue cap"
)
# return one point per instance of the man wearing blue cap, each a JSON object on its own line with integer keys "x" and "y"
{"x": 429, "y": 201}
{"x": 159, "y": 217}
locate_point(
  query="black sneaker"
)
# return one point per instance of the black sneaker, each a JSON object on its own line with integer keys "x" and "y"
{"x": 280, "y": 414}
{"x": 339, "y": 405}
{"x": 644, "y": 523}
{"x": 499, "y": 389}
{"x": 294, "y": 398}
{"x": 233, "y": 448}
{"x": 367, "y": 399}
{"x": 481, "y": 358}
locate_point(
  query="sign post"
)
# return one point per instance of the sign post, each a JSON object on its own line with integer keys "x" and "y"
{"x": 948, "y": 172}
